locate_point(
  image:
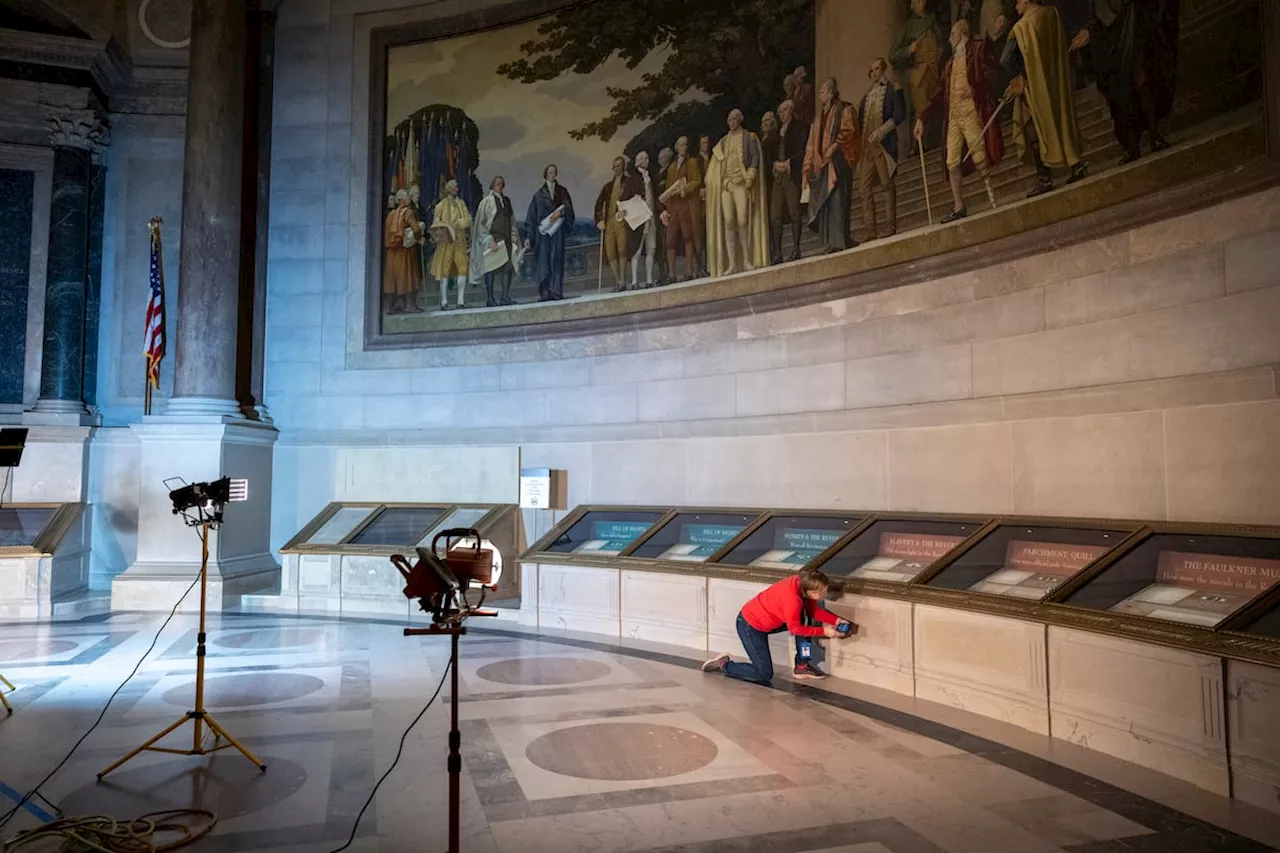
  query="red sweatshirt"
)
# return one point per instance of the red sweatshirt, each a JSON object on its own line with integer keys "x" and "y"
{"x": 781, "y": 604}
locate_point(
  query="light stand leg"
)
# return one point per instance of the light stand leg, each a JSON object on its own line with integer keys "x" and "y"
{"x": 455, "y": 746}
{"x": 8, "y": 687}
{"x": 198, "y": 716}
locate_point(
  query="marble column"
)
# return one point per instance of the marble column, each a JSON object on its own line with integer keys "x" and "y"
{"x": 73, "y": 133}
{"x": 93, "y": 277}
{"x": 209, "y": 265}
{"x": 17, "y": 201}
{"x": 202, "y": 434}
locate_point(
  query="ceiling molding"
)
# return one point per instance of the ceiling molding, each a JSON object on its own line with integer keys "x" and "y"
{"x": 103, "y": 60}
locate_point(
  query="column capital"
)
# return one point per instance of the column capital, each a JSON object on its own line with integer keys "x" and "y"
{"x": 99, "y": 145}
{"x": 71, "y": 128}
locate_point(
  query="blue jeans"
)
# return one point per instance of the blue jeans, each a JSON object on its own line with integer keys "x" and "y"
{"x": 756, "y": 642}
{"x": 760, "y": 670}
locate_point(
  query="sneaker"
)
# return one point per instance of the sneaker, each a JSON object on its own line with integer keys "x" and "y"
{"x": 808, "y": 670}
{"x": 716, "y": 664}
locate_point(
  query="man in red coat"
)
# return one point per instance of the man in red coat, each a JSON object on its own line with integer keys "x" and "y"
{"x": 782, "y": 607}
{"x": 967, "y": 106}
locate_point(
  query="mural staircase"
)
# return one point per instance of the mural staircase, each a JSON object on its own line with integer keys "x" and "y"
{"x": 1011, "y": 181}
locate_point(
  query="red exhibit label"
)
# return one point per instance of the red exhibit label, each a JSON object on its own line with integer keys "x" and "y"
{"x": 1054, "y": 558}
{"x": 1217, "y": 572}
{"x": 924, "y": 547}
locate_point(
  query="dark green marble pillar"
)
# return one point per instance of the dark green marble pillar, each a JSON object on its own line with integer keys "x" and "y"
{"x": 93, "y": 280}
{"x": 62, "y": 367}
{"x": 17, "y": 194}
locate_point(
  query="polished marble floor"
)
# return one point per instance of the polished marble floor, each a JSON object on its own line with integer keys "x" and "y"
{"x": 570, "y": 743}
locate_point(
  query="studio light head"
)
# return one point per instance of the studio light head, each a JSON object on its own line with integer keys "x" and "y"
{"x": 208, "y": 499}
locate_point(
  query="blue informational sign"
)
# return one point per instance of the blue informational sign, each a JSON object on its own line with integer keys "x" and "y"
{"x": 617, "y": 535}
{"x": 805, "y": 545}
{"x": 708, "y": 538}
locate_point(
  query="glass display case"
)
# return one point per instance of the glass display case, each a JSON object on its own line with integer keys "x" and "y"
{"x": 340, "y": 560}
{"x": 1188, "y": 577}
{"x": 601, "y": 532}
{"x": 366, "y": 528}
{"x": 1027, "y": 561}
{"x": 36, "y": 528}
{"x": 897, "y": 549}
{"x": 1268, "y": 624}
{"x": 692, "y": 537}
{"x": 1221, "y": 579}
{"x": 789, "y": 542}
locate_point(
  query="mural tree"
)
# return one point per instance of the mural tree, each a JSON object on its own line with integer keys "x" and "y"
{"x": 716, "y": 56}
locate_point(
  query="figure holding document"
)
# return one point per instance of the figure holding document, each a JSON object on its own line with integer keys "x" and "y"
{"x": 640, "y": 218}
{"x": 682, "y": 211}
{"x": 547, "y": 226}
{"x": 449, "y": 231}
{"x": 493, "y": 242}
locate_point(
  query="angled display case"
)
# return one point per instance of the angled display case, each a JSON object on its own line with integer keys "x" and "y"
{"x": 692, "y": 536}
{"x": 1193, "y": 575}
{"x": 1027, "y": 559}
{"x": 30, "y": 530}
{"x": 44, "y": 558}
{"x": 1261, "y": 619}
{"x": 787, "y": 542}
{"x": 601, "y": 531}
{"x": 339, "y": 562}
{"x": 898, "y": 548}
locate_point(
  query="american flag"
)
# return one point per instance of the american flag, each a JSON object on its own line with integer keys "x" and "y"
{"x": 153, "y": 339}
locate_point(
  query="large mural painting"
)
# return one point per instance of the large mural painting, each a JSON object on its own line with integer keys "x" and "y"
{"x": 632, "y": 144}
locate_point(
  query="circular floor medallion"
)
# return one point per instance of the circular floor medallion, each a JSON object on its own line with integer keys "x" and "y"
{"x": 272, "y": 638}
{"x": 543, "y": 671}
{"x": 621, "y": 752}
{"x": 224, "y": 783}
{"x": 245, "y": 689}
{"x": 11, "y": 650}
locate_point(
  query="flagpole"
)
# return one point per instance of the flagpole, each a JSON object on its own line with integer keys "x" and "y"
{"x": 158, "y": 259}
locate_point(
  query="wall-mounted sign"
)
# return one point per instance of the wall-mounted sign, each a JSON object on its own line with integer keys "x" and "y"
{"x": 535, "y": 488}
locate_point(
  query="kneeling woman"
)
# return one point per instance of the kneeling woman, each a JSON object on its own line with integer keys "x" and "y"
{"x": 781, "y": 607}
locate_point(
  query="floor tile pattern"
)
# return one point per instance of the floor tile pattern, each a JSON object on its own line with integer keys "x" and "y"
{"x": 569, "y": 744}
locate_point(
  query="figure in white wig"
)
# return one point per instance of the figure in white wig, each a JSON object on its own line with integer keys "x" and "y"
{"x": 449, "y": 229}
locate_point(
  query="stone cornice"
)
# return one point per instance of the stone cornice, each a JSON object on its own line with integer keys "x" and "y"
{"x": 153, "y": 90}
{"x": 105, "y": 61}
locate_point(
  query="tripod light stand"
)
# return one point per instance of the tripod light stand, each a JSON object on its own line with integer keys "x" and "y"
{"x": 439, "y": 581}
{"x": 11, "y": 443}
{"x": 207, "y": 501}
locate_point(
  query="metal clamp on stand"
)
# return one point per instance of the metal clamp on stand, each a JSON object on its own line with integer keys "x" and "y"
{"x": 440, "y": 581}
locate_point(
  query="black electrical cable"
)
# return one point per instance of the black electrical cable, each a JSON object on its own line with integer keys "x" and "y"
{"x": 351, "y": 838}
{"x": 36, "y": 790}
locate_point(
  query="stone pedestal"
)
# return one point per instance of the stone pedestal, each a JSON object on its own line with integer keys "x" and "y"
{"x": 55, "y": 466}
{"x": 168, "y": 559}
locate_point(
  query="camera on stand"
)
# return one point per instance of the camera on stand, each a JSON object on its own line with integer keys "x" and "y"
{"x": 443, "y": 577}
{"x": 441, "y": 581}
